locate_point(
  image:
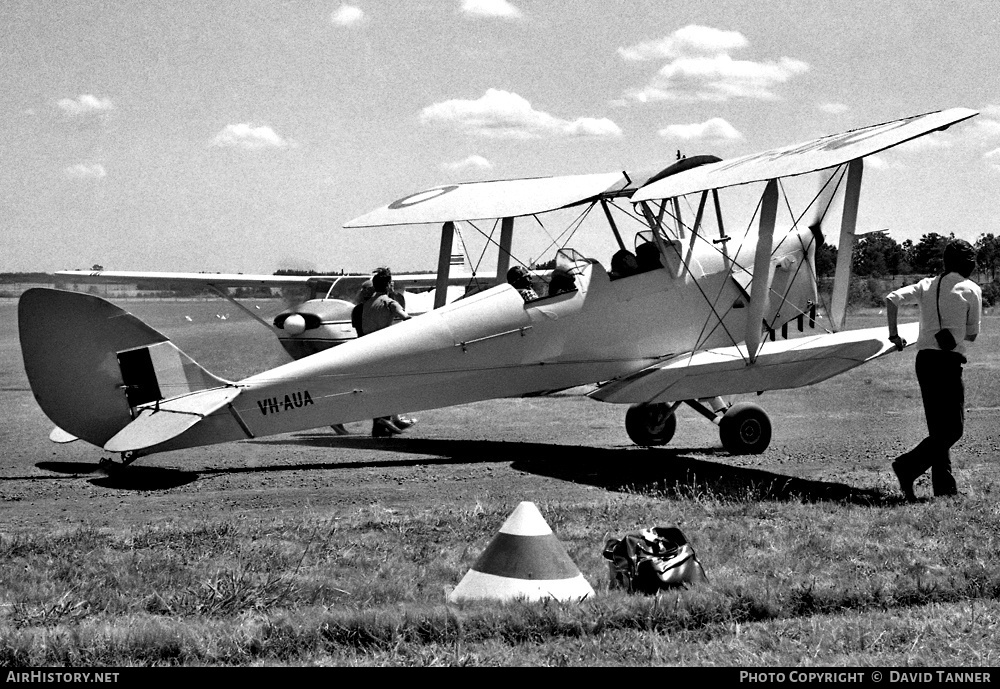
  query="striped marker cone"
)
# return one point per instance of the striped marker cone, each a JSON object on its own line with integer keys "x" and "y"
{"x": 524, "y": 560}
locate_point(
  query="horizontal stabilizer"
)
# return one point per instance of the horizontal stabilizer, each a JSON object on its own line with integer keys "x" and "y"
{"x": 157, "y": 423}
{"x": 780, "y": 365}
{"x": 60, "y": 436}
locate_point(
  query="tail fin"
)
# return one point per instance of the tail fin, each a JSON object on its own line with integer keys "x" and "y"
{"x": 91, "y": 364}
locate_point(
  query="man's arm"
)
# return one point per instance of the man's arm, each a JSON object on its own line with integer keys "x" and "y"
{"x": 975, "y": 315}
{"x": 398, "y": 310}
{"x": 892, "y": 316}
{"x": 903, "y": 295}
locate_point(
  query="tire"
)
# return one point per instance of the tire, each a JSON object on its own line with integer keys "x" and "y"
{"x": 650, "y": 424}
{"x": 745, "y": 429}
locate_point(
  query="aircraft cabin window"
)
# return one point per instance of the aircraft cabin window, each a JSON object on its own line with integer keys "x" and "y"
{"x": 568, "y": 264}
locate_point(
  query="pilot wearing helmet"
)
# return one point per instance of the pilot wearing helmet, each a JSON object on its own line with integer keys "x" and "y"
{"x": 520, "y": 279}
{"x": 561, "y": 281}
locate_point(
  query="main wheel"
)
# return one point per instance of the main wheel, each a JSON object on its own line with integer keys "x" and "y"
{"x": 650, "y": 424}
{"x": 745, "y": 429}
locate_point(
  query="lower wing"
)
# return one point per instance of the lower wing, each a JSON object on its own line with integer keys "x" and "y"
{"x": 780, "y": 365}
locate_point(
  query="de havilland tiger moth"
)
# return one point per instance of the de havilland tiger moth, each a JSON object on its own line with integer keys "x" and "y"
{"x": 681, "y": 315}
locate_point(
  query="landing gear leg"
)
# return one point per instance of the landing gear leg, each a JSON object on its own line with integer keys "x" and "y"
{"x": 108, "y": 464}
{"x": 651, "y": 424}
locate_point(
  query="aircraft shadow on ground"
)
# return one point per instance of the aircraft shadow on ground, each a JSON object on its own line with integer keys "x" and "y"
{"x": 667, "y": 472}
{"x": 653, "y": 471}
{"x": 133, "y": 477}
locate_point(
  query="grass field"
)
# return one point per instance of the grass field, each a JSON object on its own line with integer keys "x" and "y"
{"x": 310, "y": 549}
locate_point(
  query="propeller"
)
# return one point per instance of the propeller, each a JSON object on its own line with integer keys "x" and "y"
{"x": 829, "y": 184}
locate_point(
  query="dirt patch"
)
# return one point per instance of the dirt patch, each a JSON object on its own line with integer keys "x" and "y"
{"x": 832, "y": 441}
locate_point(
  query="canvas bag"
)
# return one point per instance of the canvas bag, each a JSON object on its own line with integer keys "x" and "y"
{"x": 652, "y": 559}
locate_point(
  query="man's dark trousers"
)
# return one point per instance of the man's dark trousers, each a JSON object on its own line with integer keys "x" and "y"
{"x": 939, "y": 374}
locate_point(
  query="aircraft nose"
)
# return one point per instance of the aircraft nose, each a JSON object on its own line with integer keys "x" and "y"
{"x": 294, "y": 324}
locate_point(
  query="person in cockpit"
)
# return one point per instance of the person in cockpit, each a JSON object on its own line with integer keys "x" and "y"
{"x": 561, "y": 281}
{"x": 520, "y": 279}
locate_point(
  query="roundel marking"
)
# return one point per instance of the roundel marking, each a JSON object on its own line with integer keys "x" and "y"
{"x": 421, "y": 196}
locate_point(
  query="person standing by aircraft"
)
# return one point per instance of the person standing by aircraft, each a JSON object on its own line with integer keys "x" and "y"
{"x": 380, "y": 311}
{"x": 950, "y": 314}
{"x": 364, "y": 294}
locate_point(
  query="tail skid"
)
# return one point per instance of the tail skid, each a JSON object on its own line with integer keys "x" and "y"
{"x": 102, "y": 375}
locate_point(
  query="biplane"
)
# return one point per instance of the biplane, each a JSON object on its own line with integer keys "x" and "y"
{"x": 687, "y": 312}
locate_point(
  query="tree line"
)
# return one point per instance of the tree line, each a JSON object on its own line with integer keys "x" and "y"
{"x": 877, "y": 256}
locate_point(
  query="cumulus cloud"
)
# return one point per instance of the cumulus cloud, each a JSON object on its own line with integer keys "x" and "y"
{"x": 929, "y": 142}
{"x": 833, "y": 108}
{"x": 875, "y": 162}
{"x": 692, "y": 39}
{"x": 718, "y": 78}
{"x": 248, "y": 137}
{"x": 86, "y": 171}
{"x": 85, "y": 104}
{"x": 501, "y": 114}
{"x": 491, "y": 8}
{"x": 894, "y": 158}
{"x": 715, "y": 129}
{"x": 987, "y": 124}
{"x": 987, "y": 127}
{"x": 993, "y": 158}
{"x": 347, "y": 15}
{"x": 473, "y": 162}
{"x": 700, "y": 68}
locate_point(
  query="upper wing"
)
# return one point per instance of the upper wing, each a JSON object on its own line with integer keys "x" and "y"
{"x": 498, "y": 199}
{"x": 799, "y": 159}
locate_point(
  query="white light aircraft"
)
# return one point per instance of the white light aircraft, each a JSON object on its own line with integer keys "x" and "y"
{"x": 690, "y": 316}
{"x": 323, "y": 320}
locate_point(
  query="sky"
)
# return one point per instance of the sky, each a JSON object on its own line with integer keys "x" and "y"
{"x": 239, "y": 136}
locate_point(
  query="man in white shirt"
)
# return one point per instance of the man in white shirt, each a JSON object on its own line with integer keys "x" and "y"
{"x": 950, "y": 313}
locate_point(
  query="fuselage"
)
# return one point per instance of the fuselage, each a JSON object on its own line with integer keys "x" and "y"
{"x": 494, "y": 344}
